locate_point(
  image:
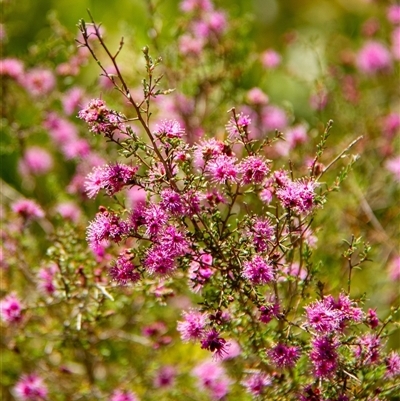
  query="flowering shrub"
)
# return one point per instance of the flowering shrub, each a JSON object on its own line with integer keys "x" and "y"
{"x": 159, "y": 247}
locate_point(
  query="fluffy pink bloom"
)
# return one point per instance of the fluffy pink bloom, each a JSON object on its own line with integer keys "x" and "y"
{"x": 393, "y": 166}
{"x": 11, "y": 309}
{"x": 124, "y": 271}
{"x": 372, "y": 319}
{"x": 393, "y": 14}
{"x": 123, "y": 395}
{"x": 368, "y": 348}
{"x": 72, "y": 99}
{"x": 324, "y": 356}
{"x": 211, "y": 377}
{"x": 12, "y": 67}
{"x": 28, "y": 209}
{"x": 270, "y": 59}
{"x": 222, "y": 169}
{"x": 36, "y": 161}
{"x": 30, "y": 388}
{"x": 273, "y": 118}
{"x": 111, "y": 177}
{"x": 256, "y": 383}
{"x": 238, "y": 127}
{"x": 159, "y": 261}
{"x": 170, "y": 129}
{"x": 261, "y": 232}
{"x": 253, "y": 170}
{"x": 216, "y": 21}
{"x": 232, "y": 351}
{"x": 207, "y": 150}
{"x": 269, "y": 310}
{"x": 374, "y": 57}
{"x": 79, "y": 148}
{"x": 193, "y": 325}
{"x": 258, "y": 271}
{"x": 297, "y": 195}
{"x": 257, "y": 97}
{"x": 39, "y": 81}
{"x": 136, "y": 196}
{"x": 284, "y": 356}
{"x": 392, "y": 363}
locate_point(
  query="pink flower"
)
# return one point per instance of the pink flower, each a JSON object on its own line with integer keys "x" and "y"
{"x": 393, "y": 166}
{"x": 30, "y": 388}
{"x": 256, "y": 383}
{"x": 196, "y": 5}
{"x": 270, "y": 59}
{"x": 193, "y": 326}
{"x": 394, "y": 268}
{"x": 104, "y": 81}
{"x": 324, "y": 356}
{"x": 297, "y": 195}
{"x": 165, "y": 377}
{"x": 396, "y": 43}
{"x": 170, "y": 129}
{"x": 258, "y": 271}
{"x": 11, "y": 309}
{"x": 123, "y": 395}
{"x": 46, "y": 279}
{"x": 257, "y": 97}
{"x": 284, "y": 356}
{"x": 319, "y": 100}
{"x": 207, "y": 150}
{"x": 72, "y": 100}
{"x": 211, "y": 377}
{"x": 392, "y": 362}
{"x": 273, "y": 118}
{"x": 28, "y": 209}
{"x": 189, "y": 45}
{"x": 391, "y": 124}
{"x": 239, "y": 126}
{"x": 124, "y": 271}
{"x": 12, "y": 67}
{"x": 36, "y": 161}
{"x": 222, "y": 169}
{"x": 39, "y": 81}
{"x": 61, "y": 131}
{"x": 393, "y": 14}
{"x": 374, "y": 57}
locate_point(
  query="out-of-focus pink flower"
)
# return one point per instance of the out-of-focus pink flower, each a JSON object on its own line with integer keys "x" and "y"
{"x": 69, "y": 211}
{"x": 38, "y": 81}
{"x": 11, "y": 309}
{"x": 72, "y": 100}
{"x": 374, "y": 57}
{"x": 257, "y": 97}
{"x": 12, "y": 67}
{"x": 78, "y": 148}
{"x": 273, "y": 118}
{"x": 188, "y": 44}
{"x": 232, "y": 351}
{"x": 270, "y": 59}
{"x": 28, "y": 209}
{"x": 394, "y": 268}
{"x": 393, "y": 165}
{"x": 396, "y": 43}
{"x": 319, "y": 100}
{"x": 104, "y": 81}
{"x": 391, "y": 125}
{"x": 393, "y": 14}
{"x": 123, "y": 395}
{"x": 294, "y": 137}
{"x": 136, "y": 196}
{"x": 370, "y": 27}
{"x": 196, "y": 5}
{"x": 46, "y": 279}
{"x": 165, "y": 377}
{"x": 211, "y": 377}
{"x": 30, "y": 388}
{"x": 36, "y": 161}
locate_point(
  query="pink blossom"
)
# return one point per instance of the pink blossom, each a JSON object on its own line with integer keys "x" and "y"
{"x": 189, "y": 45}
{"x": 123, "y": 395}
{"x": 273, "y": 118}
{"x": 36, "y": 161}
{"x": 11, "y": 309}
{"x": 39, "y": 81}
{"x": 257, "y": 97}
{"x": 196, "y": 5}
{"x": 391, "y": 124}
{"x": 238, "y": 126}
{"x": 207, "y": 150}
{"x": 79, "y": 148}
{"x": 28, "y": 209}
{"x": 393, "y": 14}
{"x": 217, "y": 22}
{"x": 46, "y": 279}
{"x": 211, "y": 377}
{"x": 319, "y": 100}
{"x": 256, "y": 383}
{"x": 284, "y": 356}
{"x": 72, "y": 100}
{"x": 258, "y": 271}
{"x": 104, "y": 81}
{"x": 170, "y": 129}
{"x": 270, "y": 59}
{"x": 392, "y": 363}
{"x": 30, "y": 388}
{"x": 374, "y": 57}
{"x": 12, "y": 67}
{"x": 69, "y": 211}
{"x": 393, "y": 166}
{"x": 61, "y": 131}
{"x": 124, "y": 271}
{"x": 324, "y": 356}
{"x": 396, "y": 43}
{"x": 136, "y": 196}
{"x": 222, "y": 169}
{"x": 394, "y": 268}
{"x": 193, "y": 325}
{"x": 165, "y": 377}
